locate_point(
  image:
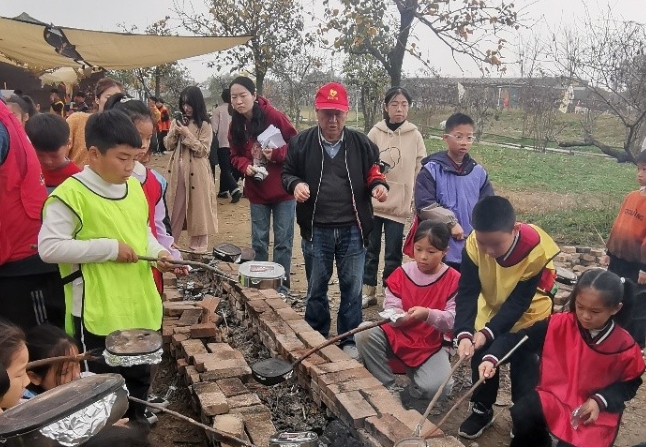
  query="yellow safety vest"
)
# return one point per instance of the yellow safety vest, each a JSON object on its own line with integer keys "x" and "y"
{"x": 116, "y": 295}
{"x": 498, "y": 282}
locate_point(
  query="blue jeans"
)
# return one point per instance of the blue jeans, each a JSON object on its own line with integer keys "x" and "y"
{"x": 283, "y": 220}
{"x": 344, "y": 245}
{"x": 394, "y": 236}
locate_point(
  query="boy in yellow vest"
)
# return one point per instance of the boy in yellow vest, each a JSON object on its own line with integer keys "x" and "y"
{"x": 94, "y": 225}
{"x": 507, "y": 276}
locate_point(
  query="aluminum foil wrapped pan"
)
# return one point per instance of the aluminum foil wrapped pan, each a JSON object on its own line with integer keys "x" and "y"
{"x": 68, "y": 415}
{"x": 133, "y": 347}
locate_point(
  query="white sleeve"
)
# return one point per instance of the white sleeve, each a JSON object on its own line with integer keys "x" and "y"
{"x": 56, "y": 243}
{"x": 154, "y": 247}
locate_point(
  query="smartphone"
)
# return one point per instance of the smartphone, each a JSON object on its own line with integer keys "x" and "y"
{"x": 180, "y": 118}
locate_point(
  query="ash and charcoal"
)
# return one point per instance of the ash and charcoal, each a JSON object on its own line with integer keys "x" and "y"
{"x": 292, "y": 408}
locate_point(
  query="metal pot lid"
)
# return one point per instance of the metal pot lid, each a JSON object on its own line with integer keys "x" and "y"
{"x": 261, "y": 270}
{"x": 58, "y": 403}
{"x": 133, "y": 342}
{"x": 227, "y": 249}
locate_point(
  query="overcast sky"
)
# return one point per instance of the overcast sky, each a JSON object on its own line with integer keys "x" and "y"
{"x": 548, "y": 15}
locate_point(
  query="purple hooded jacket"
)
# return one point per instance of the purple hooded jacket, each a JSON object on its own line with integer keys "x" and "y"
{"x": 440, "y": 182}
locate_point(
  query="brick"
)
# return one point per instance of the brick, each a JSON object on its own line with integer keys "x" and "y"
{"x": 339, "y": 366}
{"x": 387, "y": 429}
{"x": 232, "y": 387}
{"x": 192, "y": 376}
{"x": 288, "y": 344}
{"x": 270, "y": 294}
{"x": 311, "y": 338}
{"x": 167, "y": 334}
{"x": 177, "y": 339}
{"x": 381, "y": 400}
{"x": 181, "y": 365}
{"x": 209, "y": 303}
{"x": 251, "y": 294}
{"x": 191, "y": 348}
{"x": 568, "y": 249}
{"x": 256, "y": 308}
{"x": 334, "y": 354}
{"x": 219, "y": 348}
{"x": 230, "y": 424}
{"x": 260, "y": 432}
{"x": 353, "y": 385}
{"x": 253, "y": 413}
{"x": 287, "y": 314}
{"x": 182, "y": 330}
{"x": 348, "y": 375}
{"x": 212, "y": 400}
{"x": 204, "y": 330}
{"x": 410, "y": 418}
{"x": 175, "y": 309}
{"x": 583, "y": 249}
{"x": 170, "y": 280}
{"x": 306, "y": 365}
{"x": 598, "y": 252}
{"x": 173, "y": 295}
{"x": 226, "y": 369}
{"x": 207, "y": 361}
{"x": 354, "y": 409}
{"x": 244, "y": 400}
{"x": 190, "y": 317}
{"x": 277, "y": 303}
{"x": 299, "y": 326}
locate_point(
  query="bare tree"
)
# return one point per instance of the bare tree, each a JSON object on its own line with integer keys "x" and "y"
{"x": 608, "y": 59}
{"x": 163, "y": 80}
{"x": 297, "y": 79}
{"x": 370, "y": 79}
{"x": 384, "y": 29}
{"x": 276, "y": 28}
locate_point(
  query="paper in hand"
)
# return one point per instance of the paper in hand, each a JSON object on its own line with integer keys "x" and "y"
{"x": 271, "y": 138}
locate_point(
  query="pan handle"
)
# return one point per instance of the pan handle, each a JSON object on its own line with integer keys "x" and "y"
{"x": 341, "y": 337}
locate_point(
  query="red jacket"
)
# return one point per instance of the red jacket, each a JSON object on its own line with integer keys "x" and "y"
{"x": 22, "y": 194}
{"x": 154, "y": 192}
{"x": 270, "y": 190}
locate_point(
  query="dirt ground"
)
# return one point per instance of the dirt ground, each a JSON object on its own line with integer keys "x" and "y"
{"x": 234, "y": 227}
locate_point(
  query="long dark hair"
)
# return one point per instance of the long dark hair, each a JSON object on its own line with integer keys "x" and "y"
{"x": 193, "y": 97}
{"x": 613, "y": 290}
{"x": 46, "y": 341}
{"x": 134, "y": 108}
{"x": 240, "y": 131}
{"x": 436, "y": 233}
{"x": 12, "y": 339}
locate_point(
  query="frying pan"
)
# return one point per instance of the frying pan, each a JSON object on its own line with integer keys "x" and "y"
{"x": 274, "y": 370}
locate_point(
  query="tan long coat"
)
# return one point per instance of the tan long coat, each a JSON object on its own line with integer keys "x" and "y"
{"x": 201, "y": 208}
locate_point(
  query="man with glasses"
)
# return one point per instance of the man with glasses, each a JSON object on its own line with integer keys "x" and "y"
{"x": 451, "y": 183}
{"x": 333, "y": 172}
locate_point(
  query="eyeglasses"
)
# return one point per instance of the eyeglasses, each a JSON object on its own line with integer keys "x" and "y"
{"x": 460, "y": 137}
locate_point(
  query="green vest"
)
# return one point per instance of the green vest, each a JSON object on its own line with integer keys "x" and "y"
{"x": 116, "y": 295}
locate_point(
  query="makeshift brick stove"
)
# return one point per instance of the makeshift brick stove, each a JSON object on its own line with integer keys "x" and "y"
{"x": 197, "y": 334}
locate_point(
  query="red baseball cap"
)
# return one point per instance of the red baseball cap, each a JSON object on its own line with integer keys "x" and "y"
{"x": 332, "y": 96}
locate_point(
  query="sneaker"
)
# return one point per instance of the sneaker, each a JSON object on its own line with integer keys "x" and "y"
{"x": 476, "y": 423}
{"x": 368, "y": 300}
{"x": 151, "y": 417}
{"x": 352, "y": 352}
{"x": 236, "y": 195}
{"x": 223, "y": 195}
{"x": 157, "y": 400}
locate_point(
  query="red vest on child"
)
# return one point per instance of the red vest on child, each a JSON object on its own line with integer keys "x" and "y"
{"x": 418, "y": 341}
{"x": 153, "y": 192}
{"x": 572, "y": 371}
{"x": 22, "y": 194}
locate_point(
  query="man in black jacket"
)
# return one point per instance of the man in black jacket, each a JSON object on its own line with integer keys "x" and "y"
{"x": 333, "y": 172}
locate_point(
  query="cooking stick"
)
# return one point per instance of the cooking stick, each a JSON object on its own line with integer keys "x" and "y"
{"x": 192, "y": 421}
{"x": 418, "y": 429}
{"x": 196, "y": 264}
{"x": 471, "y": 391}
{"x": 90, "y": 355}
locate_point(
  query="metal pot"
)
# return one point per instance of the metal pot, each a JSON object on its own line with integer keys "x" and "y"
{"x": 67, "y": 415}
{"x": 297, "y": 439}
{"x": 261, "y": 275}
